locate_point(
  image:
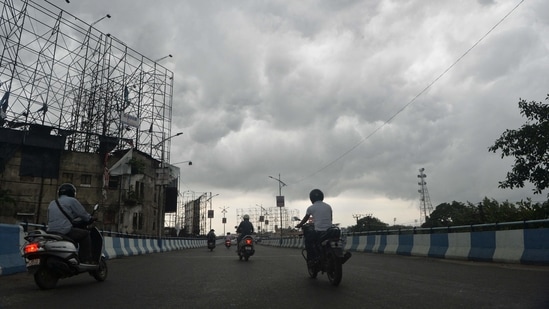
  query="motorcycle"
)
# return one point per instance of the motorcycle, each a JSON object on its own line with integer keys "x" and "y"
{"x": 211, "y": 244}
{"x": 246, "y": 248}
{"x": 227, "y": 243}
{"x": 330, "y": 256}
{"x": 50, "y": 257}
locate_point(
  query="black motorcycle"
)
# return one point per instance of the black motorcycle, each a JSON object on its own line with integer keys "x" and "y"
{"x": 51, "y": 257}
{"x": 330, "y": 256}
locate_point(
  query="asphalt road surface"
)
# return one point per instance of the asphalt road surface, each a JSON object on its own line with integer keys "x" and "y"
{"x": 277, "y": 278}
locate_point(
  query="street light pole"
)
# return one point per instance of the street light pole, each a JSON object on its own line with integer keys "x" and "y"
{"x": 224, "y": 211}
{"x": 100, "y": 19}
{"x": 261, "y": 219}
{"x": 163, "y": 185}
{"x": 280, "y": 185}
{"x": 209, "y": 199}
{"x": 159, "y": 59}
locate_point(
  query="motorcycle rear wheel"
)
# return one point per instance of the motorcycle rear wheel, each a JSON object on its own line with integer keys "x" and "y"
{"x": 101, "y": 273}
{"x": 45, "y": 278}
{"x": 334, "y": 270}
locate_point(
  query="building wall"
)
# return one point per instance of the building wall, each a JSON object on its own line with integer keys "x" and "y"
{"x": 30, "y": 196}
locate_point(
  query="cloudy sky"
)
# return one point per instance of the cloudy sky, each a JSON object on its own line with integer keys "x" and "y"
{"x": 352, "y": 97}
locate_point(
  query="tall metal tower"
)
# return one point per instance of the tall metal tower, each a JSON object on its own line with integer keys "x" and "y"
{"x": 425, "y": 206}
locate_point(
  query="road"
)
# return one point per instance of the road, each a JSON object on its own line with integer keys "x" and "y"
{"x": 277, "y": 278}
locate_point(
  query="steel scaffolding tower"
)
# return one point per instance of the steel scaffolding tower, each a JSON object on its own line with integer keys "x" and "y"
{"x": 270, "y": 215}
{"x": 425, "y": 201}
{"x": 59, "y": 71}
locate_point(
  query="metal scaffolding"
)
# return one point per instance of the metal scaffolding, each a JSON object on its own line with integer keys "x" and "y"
{"x": 59, "y": 71}
{"x": 271, "y": 218}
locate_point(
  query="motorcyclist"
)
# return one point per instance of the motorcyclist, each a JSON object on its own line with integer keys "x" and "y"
{"x": 63, "y": 212}
{"x": 211, "y": 235}
{"x": 322, "y": 219}
{"x": 244, "y": 228}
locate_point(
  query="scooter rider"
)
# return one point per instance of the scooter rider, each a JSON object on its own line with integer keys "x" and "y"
{"x": 244, "y": 228}
{"x": 322, "y": 219}
{"x": 211, "y": 235}
{"x": 65, "y": 210}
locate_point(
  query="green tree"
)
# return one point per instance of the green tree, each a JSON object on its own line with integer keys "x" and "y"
{"x": 530, "y": 147}
{"x": 369, "y": 223}
{"x": 530, "y": 211}
{"x": 456, "y": 213}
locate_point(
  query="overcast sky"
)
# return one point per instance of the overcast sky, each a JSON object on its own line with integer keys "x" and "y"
{"x": 350, "y": 97}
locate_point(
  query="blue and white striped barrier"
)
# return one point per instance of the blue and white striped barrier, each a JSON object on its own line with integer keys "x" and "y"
{"x": 528, "y": 246}
{"x": 12, "y": 240}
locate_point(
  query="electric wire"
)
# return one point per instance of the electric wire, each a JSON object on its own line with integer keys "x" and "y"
{"x": 414, "y": 98}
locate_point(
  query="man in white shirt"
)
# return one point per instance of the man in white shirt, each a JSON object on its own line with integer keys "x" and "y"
{"x": 322, "y": 218}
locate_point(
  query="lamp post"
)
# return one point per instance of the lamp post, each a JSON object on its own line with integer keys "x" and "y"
{"x": 210, "y": 212}
{"x": 100, "y": 19}
{"x": 189, "y": 162}
{"x": 279, "y": 201}
{"x": 163, "y": 184}
{"x": 224, "y": 211}
{"x": 260, "y": 218}
{"x": 178, "y": 221}
{"x": 168, "y": 56}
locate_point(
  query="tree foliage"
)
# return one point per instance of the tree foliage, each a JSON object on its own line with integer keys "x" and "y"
{"x": 530, "y": 147}
{"x": 487, "y": 211}
{"x": 368, "y": 223}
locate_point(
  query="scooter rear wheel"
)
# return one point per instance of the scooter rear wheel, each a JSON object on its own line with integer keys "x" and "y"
{"x": 45, "y": 278}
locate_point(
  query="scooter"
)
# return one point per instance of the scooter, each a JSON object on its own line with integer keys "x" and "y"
{"x": 211, "y": 244}
{"x": 246, "y": 248}
{"x": 51, "y": 257}
{"x": 227, "y": 243}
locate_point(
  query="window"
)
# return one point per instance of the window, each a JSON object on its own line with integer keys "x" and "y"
{"x": 114, "y": 182}
{"x": 85, "y": 180}
{"x": 140, "y": 190}
{"x": 137, "y": 221}
{"x": 67, "y": 177}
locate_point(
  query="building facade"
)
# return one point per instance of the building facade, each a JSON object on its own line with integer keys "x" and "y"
{"x": 130, "y": 186}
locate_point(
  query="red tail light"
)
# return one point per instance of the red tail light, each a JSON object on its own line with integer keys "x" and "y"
{"x": 31, "y": 248}
{"x": 248, "y": 241}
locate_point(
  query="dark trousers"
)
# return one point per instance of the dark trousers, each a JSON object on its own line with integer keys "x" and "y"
{"x": 82, "y": 237}
{"x": 311, "y": 245}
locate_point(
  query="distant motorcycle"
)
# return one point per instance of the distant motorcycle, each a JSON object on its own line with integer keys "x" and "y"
{"x": 331, "y": 256}
{"x": 51, "y": 257}
{"x": 246, "y": 248}
{"x": 227, "y": 243}
{"x": 211, "y": 244}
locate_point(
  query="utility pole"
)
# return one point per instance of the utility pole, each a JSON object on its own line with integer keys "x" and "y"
{"x": 279, "y": 201}
{"x": 224, "y": 211}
